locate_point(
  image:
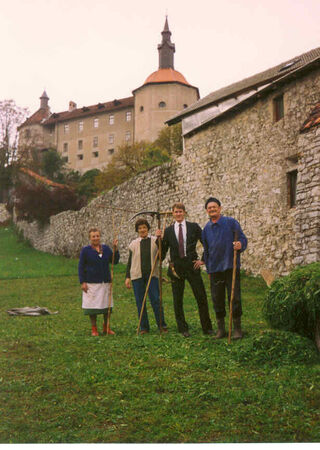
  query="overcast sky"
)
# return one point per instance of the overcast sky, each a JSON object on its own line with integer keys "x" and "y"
{"x": 92, "y": 51}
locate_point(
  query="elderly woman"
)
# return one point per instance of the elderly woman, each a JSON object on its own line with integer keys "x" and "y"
{"x": 142, "y": 253}
{"x": 95, "y": 279}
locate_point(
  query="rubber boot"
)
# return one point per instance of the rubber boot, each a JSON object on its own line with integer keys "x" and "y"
{"x": 221, "y": 329}
{"x": 94, "y": 331}
{"x": 237, "y": 332}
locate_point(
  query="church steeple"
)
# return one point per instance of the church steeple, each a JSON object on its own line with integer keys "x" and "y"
{"x": 166, "y": 48}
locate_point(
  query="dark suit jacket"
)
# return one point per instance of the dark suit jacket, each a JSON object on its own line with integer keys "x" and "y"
{"x": 170, "y": 241}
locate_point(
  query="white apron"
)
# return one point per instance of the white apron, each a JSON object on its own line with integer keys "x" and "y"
{"x": 97, "y": 296}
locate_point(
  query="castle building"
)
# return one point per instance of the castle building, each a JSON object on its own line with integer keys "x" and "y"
{"x": 87, "y": 137}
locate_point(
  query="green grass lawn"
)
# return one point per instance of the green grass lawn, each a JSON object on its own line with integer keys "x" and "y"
{"x": 60, "y": 385}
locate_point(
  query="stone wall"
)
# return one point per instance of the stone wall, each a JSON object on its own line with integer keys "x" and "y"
{"x": 307, "y": 225}
{"x": 243, "y": 160}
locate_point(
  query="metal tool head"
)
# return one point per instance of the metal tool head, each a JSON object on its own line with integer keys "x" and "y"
{"x": 147, "y": 213}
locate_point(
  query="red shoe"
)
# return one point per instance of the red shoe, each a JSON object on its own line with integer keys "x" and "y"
{"x": 94, "y": 331}
{"x": 107, "y": 330}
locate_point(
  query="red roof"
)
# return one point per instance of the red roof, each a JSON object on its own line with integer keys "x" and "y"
{"x": 313, "y": 120}
{"x": 42, "y": 179}
{"x": 167, "y": 75}
{"x": 39, "y": 116}
{"x": 90, "y": 110}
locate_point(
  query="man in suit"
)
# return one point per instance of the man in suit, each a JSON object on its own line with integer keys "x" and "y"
{"x": 181, "y": 238}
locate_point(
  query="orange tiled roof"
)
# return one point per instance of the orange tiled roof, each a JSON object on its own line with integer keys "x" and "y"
{"x": 42, "y": 179}
{"x": 167, "y": 75}
{"x": 313, "y": 120}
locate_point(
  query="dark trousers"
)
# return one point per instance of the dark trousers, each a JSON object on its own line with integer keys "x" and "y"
{"x": 195, "y": 280}
{"x": 220, "y": 282}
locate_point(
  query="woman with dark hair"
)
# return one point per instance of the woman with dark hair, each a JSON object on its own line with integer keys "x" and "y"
{"x": 95, "y": 279}
{"x": 142, "y": 254}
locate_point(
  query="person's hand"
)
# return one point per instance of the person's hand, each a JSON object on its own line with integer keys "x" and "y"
{"x": 197, "y": 263}
{"x": 84, "y": 287}
{"x": 237, "y": 245}
{"x": 115, "y": 243}
{"x": 128, "y": 283}
{"x": 158, "y": 233}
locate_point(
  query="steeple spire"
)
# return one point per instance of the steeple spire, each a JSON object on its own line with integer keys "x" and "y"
{"x": 44, "y": 99}
{"x": 166, "y": 48}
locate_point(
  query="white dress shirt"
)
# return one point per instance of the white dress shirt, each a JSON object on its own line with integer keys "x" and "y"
{"x": 184, "y": 234}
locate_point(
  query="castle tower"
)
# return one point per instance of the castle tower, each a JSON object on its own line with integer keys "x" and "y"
{"x": 166, "y": 49}
{"x": 44, "y": 101}
{"x": 163, "y": 94}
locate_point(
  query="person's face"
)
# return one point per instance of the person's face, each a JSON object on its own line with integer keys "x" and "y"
{"x": 178, "y": 214}
{"x": 95, "y": 238}
{"x": 213, "y": 210}
{"x": 143, "y": 231}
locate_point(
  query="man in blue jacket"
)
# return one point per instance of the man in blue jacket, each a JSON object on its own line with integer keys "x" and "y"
{"x": 220, "y": 237}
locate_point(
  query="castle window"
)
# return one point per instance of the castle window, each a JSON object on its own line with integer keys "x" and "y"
{"x": 128, "y": 116}
{"x": 141, "y": 108}
{"x": 95, "y": 154}
{"x": 27, "y": 133}
{"x": 162, "y": 105}
{"x": 80, "y": 157}
{"x": 185, "y": 106}
{"x": 292, "y": 187}
{"x": 111, "y": 151}
{"x": 128, "y": 136}
{"x": 80, "y": 126}
{"x": 111, "y": 138}
{"x": 65, "y": 159}
{"x": 278, "y": 108}
{"x": 80, "y": 145}
{"x": 95, "y": 141}
{"x": 95, "y": 123}
{"x": 65, "y": 147}
{"x": 111, "y": 119}
{"x": 66, "y": 128}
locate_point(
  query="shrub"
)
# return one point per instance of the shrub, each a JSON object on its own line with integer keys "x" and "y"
{"x": 293, "y": 302}
{"x": 37, "y": 202}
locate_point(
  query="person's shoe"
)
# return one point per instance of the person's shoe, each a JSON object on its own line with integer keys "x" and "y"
{"x": 210, "y": 332}
{"x": 221, "y": 333}
{"x": 186, "y": 334}
{"x": 237, "y": 331}
{"x": 94, "y": 331}
{"x": 144, "y": 332}
{"x": 107, "y": 330}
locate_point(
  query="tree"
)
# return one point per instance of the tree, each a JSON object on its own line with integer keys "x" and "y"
{"x": 170, "y": 140}
{"x": 53, "y": 165}
{"x": 86, "y": 184}
{"x": 128, "y": 161}
{"x": 11, "y": 116}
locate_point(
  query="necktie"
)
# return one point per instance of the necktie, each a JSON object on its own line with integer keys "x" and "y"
{"x": 181, "y": 246}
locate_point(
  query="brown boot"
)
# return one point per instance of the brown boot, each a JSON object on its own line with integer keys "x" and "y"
{"x": 237, "y": 332}
{"x": 221, "y": 329}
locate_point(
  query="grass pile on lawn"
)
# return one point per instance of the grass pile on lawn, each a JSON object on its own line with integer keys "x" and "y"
{"x": 293, "y": 302}
{"x": 59, "y": 384}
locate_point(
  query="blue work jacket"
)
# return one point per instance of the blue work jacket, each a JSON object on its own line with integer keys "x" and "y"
{"x": 217, "y": 240}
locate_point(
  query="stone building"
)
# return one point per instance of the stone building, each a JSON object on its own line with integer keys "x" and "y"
{"x": 87, "y": 137}
{"x": 255, "y": 145}
{"x": 244, "y": 143}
